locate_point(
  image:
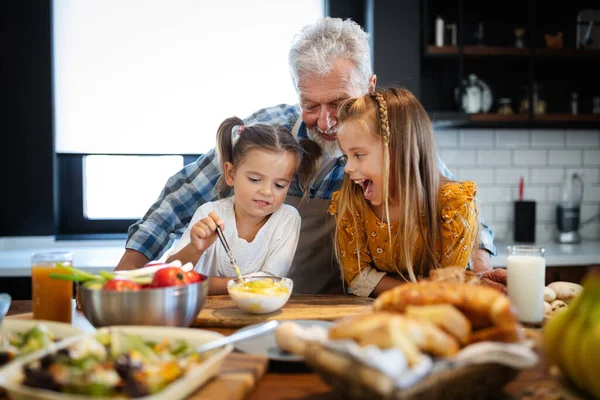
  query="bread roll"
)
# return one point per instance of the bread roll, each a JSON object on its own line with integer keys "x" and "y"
{"x": 507, "y": 334}
{"x": 482, "y": 305}
{"x": 287, "y": 338}
{"x": 444, "y": 316}
{"x": 391, "y": 335}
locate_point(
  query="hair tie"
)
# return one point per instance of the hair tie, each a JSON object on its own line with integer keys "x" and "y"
{"x": 236, "y": 131}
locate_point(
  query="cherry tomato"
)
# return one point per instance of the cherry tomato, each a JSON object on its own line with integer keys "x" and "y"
{"x": 193, "y": 277}
{"x": 169, "y": 276}
{"x": 121, "y": 285}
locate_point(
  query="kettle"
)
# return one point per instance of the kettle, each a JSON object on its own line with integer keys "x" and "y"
{"x": 569, "y": 209}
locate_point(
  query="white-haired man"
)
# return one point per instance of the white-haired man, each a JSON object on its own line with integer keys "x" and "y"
{"x": 329, "y": 61}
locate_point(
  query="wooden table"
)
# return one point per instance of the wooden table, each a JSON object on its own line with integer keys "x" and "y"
{"x": 296, "y": 381}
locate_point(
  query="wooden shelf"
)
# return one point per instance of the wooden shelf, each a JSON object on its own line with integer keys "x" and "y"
{"x": 567, "y": 53}
{"x": 447, "y": 119}
{"x": 567, "y": 118}
{"x": 492, "y": 117}
{"x": 491, "y": 51}
{"x": 443, "y": 50}
{"x": 477, "y": 51}
{"x": 495, "y": 51}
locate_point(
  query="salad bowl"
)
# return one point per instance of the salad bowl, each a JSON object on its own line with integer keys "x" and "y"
{"x": 175, "y": 306}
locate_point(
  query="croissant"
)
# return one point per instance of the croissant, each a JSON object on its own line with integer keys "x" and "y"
{"x": 484, "y": 306}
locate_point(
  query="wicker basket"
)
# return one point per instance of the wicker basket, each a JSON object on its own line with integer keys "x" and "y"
{"x": 350, "y": 379}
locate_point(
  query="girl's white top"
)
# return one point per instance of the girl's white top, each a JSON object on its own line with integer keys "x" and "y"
{"x": 272, "y": 249}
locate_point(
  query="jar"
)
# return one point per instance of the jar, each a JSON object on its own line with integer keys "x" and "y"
{"x": 505, "y": 108}
{"x": 538, "y": 101}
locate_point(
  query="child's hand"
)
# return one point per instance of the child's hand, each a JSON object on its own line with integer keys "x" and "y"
{"x": 203, "y": 234}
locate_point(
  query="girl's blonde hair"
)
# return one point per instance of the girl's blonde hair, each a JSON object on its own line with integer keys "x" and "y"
{"x": 272, "y": 138}
{"x": 411, "y": 175}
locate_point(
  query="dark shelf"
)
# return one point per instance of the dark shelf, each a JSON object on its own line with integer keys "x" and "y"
{"x": 567, "y": 53}
{"x": 492, "y": 51}
{"x": 567, "y": 118}
{"x": 442, "y": 51}
{"x": 491, "y": 117}
{"x": 455, "y": 119}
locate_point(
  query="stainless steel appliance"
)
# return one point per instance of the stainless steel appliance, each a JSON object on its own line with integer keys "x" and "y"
{"x": 569, "y": 209}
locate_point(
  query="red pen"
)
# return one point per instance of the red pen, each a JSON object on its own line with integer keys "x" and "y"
{"x": 521, "y": 183}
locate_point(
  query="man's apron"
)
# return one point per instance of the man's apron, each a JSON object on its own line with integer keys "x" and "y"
{"x": 315, "y": 269}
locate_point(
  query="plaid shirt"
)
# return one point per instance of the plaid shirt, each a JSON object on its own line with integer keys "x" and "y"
{"x": 195, "y": 185}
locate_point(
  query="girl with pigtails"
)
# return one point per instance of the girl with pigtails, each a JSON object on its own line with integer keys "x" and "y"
{"x": 397, "y": 217}
{"x": 259, "y": 162}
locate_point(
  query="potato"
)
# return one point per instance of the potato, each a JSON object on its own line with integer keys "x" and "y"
{"x": 549, "y": 294}
{"x": 547, "y": 309}
{"x": 558, "y": 305}
{"x": 565, "y": 291}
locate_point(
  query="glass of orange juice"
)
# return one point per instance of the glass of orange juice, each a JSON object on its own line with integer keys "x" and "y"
{"x": 51, "y": 298}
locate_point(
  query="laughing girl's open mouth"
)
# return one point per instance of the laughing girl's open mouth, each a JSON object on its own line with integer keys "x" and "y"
{"x": 366, "y": 185}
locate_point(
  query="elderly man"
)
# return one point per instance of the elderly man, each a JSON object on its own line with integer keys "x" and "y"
{"x": 329, "y": 61}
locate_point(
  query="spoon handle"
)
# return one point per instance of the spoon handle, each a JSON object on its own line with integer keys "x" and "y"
{"x": 239, "y": 336}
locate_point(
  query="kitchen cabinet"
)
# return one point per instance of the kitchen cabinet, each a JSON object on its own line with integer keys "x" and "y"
{"x": 485, "y": 45}
{"x": 570, "y": 273}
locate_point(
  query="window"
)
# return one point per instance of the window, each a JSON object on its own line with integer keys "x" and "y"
{"x": 149, "y": 77}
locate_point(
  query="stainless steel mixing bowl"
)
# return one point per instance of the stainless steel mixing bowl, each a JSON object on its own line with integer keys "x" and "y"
{"x": 169, "y": 306}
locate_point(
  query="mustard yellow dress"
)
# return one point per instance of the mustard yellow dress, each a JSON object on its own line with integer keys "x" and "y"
{"x": 458, "y": 236}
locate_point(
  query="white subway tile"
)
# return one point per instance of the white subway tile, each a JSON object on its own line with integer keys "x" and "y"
{"x": 530, "y": 157}
{"x": 583, "y": 139}
{"x": 591, "y": 157}
{"x": 591, "y": 194}
{"x": 547, "y": 138}
{"x": 518, "y": 138}
{"x": 589, "y": 210}
{"x": 479, "y": 175}
{"x": 545, "y": 213}
{"x": 502, "y": 232}
{"x": 454, "y": 158}
{"x": 476, "y": 138}
{"x": 494, "y": 157}
{"x": 590, "y": 232}
{"x": 503, "y": 213}
{"x": 511, "y": 175}
{"x": 493, "y": 194}
{"x": 536, "y": 193}
{"x": 446, "y": 138}
{"x": 547, "y": 175}
{"x": 590, "y": 176}
{"x": 565, "y": 157}
{"x": 545, "y": 232}
{"x": 553, "y": 194}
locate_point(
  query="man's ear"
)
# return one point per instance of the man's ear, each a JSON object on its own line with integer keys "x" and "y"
{"x": 229, "y": 173}
{"x": 372, "y": 83}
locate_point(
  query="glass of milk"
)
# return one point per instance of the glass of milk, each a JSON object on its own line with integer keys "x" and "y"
{"x": 526, "y": 278}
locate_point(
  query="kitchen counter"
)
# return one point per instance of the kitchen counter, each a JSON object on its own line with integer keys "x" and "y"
{"x": 557, "y": 254}
{"x": 88, "y": 255}
{"x": 97, "y": 255}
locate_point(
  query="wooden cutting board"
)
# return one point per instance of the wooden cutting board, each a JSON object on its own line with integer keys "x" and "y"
{"x": 238, "y": 375}
{"x": 220, "y": 311}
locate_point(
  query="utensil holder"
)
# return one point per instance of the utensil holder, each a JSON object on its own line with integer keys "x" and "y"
{"x": 524, "y": 221}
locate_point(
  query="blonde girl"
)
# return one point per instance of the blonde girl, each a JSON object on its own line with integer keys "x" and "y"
{"x": 259, "y": 163}
{"x": 397, "y": 217}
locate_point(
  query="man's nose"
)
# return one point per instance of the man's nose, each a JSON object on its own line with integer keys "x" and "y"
{"x": 327, "y": 119}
